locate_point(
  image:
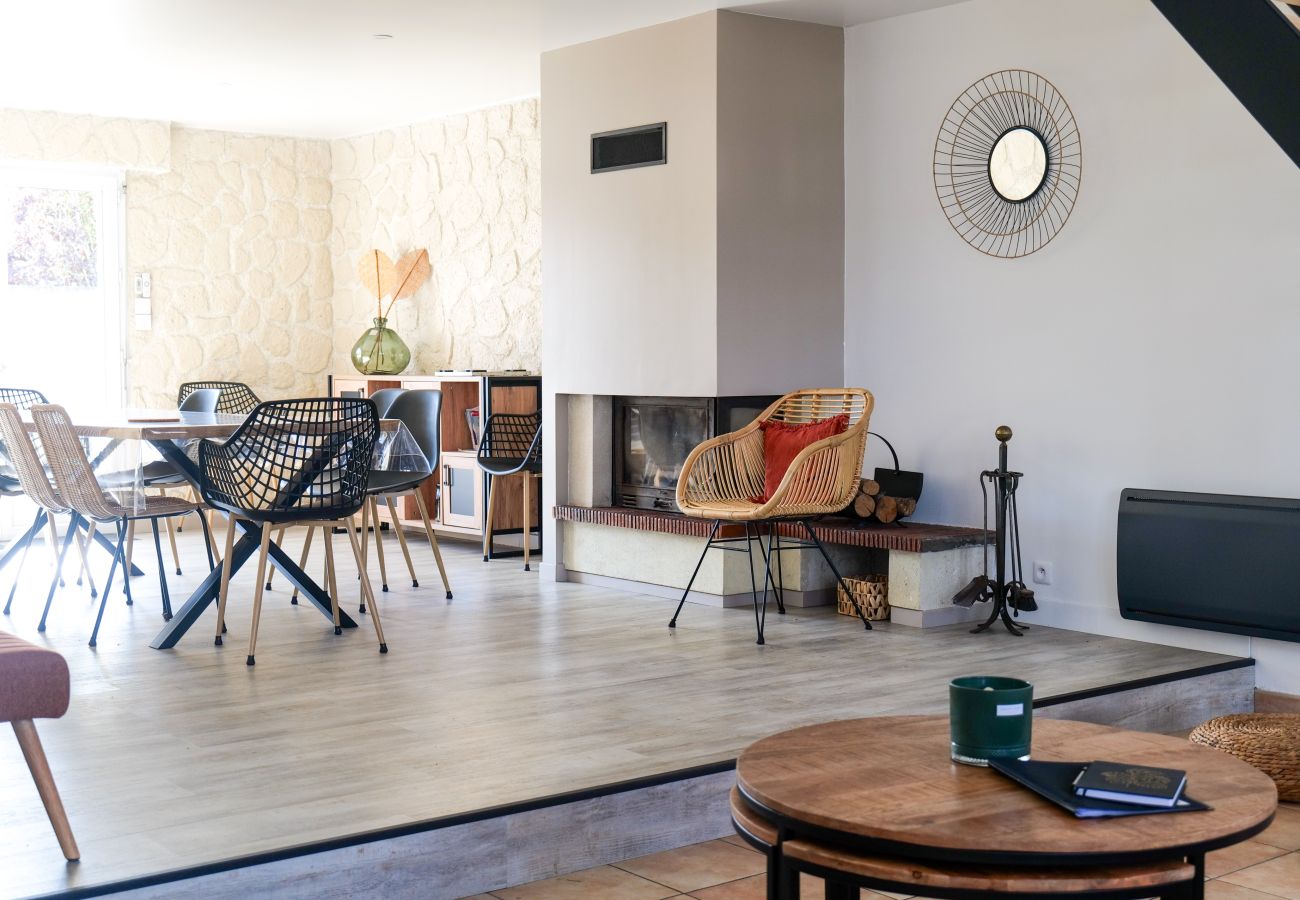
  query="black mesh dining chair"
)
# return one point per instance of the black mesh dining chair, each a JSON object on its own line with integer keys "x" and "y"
{"x": 293, "y": 462}
{"x": 511, "y": 445}
{"x": 235, "y": 397}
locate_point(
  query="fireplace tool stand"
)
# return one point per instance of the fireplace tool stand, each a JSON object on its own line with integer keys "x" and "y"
{"x": 1008, "y": 590}
{"x": 771, "y": 551}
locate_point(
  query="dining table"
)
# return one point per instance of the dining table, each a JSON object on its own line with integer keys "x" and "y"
{"x": 175, "y": 436}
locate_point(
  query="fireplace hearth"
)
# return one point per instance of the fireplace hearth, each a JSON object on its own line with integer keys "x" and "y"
{"x": 654, "y": 435}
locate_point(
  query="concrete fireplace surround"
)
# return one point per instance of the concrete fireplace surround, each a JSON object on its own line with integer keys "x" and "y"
{"x": 717, "y": 274}
{"x": 654, "y": 553}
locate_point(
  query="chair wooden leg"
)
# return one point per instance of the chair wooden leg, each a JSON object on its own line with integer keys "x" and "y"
{"x": 126, "y": 574}
{"x": 365, "y": 551}
{"x": 257, "y": 592}
{"x": 54, "y": 547}
{"x": 279, "y": 539}
{"x": 487, "y": 524}
{"x": 528, "y": 519}
{"x": 367, "y": 590}
{"x": 225, "y": 579}
{"x": 171, "y": 536}
{"x": 302, "y": 560}
{"x": 85, "y": 573}
{"x": 401, "y": 540}
{"x": 34, "y": 753}
{"x": 433, "y": 541}
{"x": 379, "y": 543}
{"x": 332, "y": 576}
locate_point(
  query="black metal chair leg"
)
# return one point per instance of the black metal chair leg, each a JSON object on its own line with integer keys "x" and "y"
{"x": 118, "y": 553}
{"x": 749, "y": 557}
{"x": 162, "y": 573}
{"x": 767, "y": 579}
{"x": 126, "y": 578}
{"x": 779, "y": 584}
{"x": 58, "y": 571}
{"x": 838, "y": 577}
{"x": 672, "y": 623}
{"x": 26, "y": 540}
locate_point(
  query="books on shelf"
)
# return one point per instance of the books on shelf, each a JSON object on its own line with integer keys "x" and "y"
{"x": 475, "y": 425}
{"x": 1122, "y": 783}
{"x": 1055, "y": 781}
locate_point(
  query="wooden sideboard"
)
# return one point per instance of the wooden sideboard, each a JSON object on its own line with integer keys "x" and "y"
{"x": 463, "y": 486}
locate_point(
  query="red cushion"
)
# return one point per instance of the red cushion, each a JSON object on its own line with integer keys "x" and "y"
{"x": 782, "y": 443}
{"x": 33, "y": 681}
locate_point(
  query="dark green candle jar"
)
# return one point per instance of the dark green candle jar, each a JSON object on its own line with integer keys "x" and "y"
{"x": 990, "y": 716}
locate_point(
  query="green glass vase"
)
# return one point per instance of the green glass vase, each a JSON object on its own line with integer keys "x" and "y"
{"x": 380, "y": 351}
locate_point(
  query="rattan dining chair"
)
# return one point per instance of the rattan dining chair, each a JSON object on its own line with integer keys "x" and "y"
{"x": 236, "y": 397}
{"x": 35, "y": 483}
{"x": 293, "y": 462}
{"x": 80, "y": 489}
{"x": 723, "y": 479}
{"x": 10, "y": 486}
{"x": 511, "y": 444}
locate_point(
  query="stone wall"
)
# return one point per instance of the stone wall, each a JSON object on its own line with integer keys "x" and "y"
{"x": 236, "y": 237}
{"x": 55, "y": 137}
{"x": 468, "y": 188}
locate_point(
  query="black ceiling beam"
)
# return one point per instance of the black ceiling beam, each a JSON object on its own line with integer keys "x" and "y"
{"x": 1254, "y": 51}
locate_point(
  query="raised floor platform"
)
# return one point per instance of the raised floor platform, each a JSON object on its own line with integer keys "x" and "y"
{"x": 521, "y": 730}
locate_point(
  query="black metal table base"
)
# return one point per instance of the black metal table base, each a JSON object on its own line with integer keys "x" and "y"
{"x": 243, "y": 551}
{"x": 754, "y": 531}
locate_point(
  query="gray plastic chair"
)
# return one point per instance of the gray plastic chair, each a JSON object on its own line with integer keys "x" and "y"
{"x": 420, "y": 412}
{"x": 383, "y": 399}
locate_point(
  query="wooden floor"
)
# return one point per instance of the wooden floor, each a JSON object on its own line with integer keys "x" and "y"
{"x": 513, "y": 690}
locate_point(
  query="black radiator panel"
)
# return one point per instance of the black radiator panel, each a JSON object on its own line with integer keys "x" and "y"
{"x": 1210, "y": 561}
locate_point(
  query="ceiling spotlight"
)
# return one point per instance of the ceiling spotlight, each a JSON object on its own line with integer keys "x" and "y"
{"x": 382, "y": 37}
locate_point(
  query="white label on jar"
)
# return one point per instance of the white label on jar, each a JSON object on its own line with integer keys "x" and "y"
{"x": 1011, "y": 709}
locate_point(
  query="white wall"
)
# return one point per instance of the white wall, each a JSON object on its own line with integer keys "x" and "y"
{"x": 1151, "y": 344}
{"x": 636, "y": 247}
{"x": 780, "y": 205}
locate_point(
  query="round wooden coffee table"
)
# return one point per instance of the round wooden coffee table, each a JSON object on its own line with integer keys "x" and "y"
{"x": 887, "y": 786}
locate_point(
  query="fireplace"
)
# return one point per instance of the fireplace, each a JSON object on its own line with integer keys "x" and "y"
{"x": 654, "y": 435}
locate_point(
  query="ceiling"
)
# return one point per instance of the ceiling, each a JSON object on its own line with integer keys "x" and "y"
{"x": 313, "y": 68}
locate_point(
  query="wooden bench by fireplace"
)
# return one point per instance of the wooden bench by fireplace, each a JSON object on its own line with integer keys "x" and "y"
{"x": 926, "y": 563}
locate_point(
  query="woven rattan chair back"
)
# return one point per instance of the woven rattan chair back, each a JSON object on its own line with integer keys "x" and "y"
{"x": 722, "y": 477}
{"x": 236, "y": 397}
{"x": 22, "y": 454}
{"x": 512, "y": 442}
{"x": 65, "y": 454}
{"x": 23, "y": 398}
{"x": 293, "y": 460}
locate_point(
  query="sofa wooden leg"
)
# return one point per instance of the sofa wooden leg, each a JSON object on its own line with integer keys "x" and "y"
{"x": 25, "y": 729}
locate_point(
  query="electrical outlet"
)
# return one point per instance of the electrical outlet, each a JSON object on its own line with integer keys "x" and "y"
{"x": 1042, "y": 572}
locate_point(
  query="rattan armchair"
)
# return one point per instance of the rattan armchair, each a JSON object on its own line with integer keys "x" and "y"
{"x": 723, "y": 480}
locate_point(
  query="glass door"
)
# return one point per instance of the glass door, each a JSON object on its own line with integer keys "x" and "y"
{"x": 60, "y": 287}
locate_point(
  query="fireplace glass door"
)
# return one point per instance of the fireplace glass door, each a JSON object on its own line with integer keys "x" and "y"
{"x": 653, "y": 437}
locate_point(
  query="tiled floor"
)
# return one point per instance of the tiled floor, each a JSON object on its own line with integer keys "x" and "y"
{"x": 1265, "y": 868}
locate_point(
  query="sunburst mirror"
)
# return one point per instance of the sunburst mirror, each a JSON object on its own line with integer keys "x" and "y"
{"x": 1007, "y": 163}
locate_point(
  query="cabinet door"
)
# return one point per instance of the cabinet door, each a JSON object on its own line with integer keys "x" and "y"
{"x": 351, "y": 387}
{"x": 462, "y": 492}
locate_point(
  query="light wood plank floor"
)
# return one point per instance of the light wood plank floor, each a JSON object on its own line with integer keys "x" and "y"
{"x": 513, "y": 690}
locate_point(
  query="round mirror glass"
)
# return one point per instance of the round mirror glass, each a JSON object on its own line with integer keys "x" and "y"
{"x": 1018, "y": 164}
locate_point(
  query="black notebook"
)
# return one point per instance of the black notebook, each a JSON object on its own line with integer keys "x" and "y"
{"x": 1054, "y": 781}
{"x": 1124, "y": 783}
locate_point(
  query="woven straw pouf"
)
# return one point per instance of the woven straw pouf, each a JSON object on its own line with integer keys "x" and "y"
{"x": 1268, "y": 741}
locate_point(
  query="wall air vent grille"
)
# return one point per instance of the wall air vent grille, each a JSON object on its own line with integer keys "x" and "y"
{"x": 630, "y": 148}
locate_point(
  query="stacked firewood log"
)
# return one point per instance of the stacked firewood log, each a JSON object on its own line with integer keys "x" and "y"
{"x": 870, "y": 503}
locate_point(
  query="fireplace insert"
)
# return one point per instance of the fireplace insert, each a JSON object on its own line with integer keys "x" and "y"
{"x": 654, "y": 435}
